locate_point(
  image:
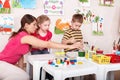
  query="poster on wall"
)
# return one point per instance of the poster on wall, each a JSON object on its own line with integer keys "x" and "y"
{"x": 5, "y": 7}
{"x": 97, "y": 26}
{"x": 108, "y": 3}
{"x": 53, "y": 7}
{"x": 84, "y": 2}
{"x": 90, "y": 17}
{"x": 61, "y": 26}
{"x": 87, "y": 14}
{"x": 6, "y": 24}
{"x": 27, "y": 4}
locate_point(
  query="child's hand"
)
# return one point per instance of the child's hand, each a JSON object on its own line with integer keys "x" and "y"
{"x": 80, "y": 44}
{"x": 72, "y": 40}
{"x": 41, "y": 48}
{"x": 77, "y": 45}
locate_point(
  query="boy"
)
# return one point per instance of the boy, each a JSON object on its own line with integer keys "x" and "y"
{"x": 73, "y": 34}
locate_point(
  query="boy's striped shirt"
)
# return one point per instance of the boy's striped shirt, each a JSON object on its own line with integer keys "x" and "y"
{"x": 76, "y": 34}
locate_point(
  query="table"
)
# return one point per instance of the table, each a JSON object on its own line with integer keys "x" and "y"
{"x": 103, "y": 70}
{"x": 111, "y": 67}
{"x": 37, "y": 61}
{"x": 63, "y": 72}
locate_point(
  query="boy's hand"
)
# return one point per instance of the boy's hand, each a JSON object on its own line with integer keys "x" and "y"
{"x": 80, "y": 45}
{"x": 76, "y": 45}
{"x": 72, "y": 40}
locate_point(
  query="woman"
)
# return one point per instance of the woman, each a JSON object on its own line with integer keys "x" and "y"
{"x": 19, "y": 44}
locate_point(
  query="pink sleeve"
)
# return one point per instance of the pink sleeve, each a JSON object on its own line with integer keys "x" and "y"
{"x": 21, "y": 34}
{"x": 18, "y": 37}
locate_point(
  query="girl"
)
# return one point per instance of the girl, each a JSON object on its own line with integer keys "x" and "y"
{"x": 42, "y": 33}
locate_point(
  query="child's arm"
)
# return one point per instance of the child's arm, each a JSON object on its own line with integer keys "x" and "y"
{"x": 67, "y": 41}
{"x": 82, "y": 45}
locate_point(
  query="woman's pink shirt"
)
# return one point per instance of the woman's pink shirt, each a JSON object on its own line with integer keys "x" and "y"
{"x": 14, "y": 49}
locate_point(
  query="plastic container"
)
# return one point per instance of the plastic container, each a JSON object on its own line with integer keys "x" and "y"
{"x": 81, "y": 54}
{"x": 89, "y": 54}
{"x": 118, "y": 52}
{"x": 101, "y": 59}
{"x": 99, "y": 51}
{"x": 114, "y": 58}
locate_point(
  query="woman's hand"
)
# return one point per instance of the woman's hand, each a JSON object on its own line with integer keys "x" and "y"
{"x": 77, "y": 45}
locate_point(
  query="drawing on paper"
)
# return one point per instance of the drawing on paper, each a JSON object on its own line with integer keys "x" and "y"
{"x": 108, "y": 3}
{"x": 61, "y": 26}
{"x": 84, "y": 2}
{"x": 27, "y": 4}
{"x": 53, "y": 7}
{"x": 89, "y": 17}
{"x": 5, "y": 6}
{"x": 6, "y": 24}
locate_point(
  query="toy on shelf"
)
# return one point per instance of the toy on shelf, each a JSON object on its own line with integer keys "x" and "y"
{"x": 114, "y": 58}
{"x": 81, "y": 53}
{"x": 117, "y": 52}
{"x": 93, "y": 51}
{"x": 101, "y": 59}
{"x": 99, "y": 51}
{"x": 116, "y": 47}
{"x": 89, "y": 54}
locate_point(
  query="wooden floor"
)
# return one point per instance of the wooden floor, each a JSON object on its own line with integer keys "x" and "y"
{"x": 92, "y": 77}
{"x": 117, "y": 75}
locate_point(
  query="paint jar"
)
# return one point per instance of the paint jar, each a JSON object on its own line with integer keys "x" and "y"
{"x": 81, "y": 54}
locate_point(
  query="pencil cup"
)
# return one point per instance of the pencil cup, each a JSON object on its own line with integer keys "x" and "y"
{"x": 81, "y": 54}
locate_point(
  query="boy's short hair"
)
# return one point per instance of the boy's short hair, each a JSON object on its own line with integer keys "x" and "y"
{"x": 77, "y": 18}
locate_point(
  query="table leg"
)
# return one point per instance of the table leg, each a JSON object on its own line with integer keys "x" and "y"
{"x": 70, "y": 78}
{"x": 28, "y": 67}
{"x": 43, "y": 74}
{"x": 100, "y": 75}
{"x": 110, "y": 75}
{"x": 58, "y": 76}
{"x": 36, "y": 72}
